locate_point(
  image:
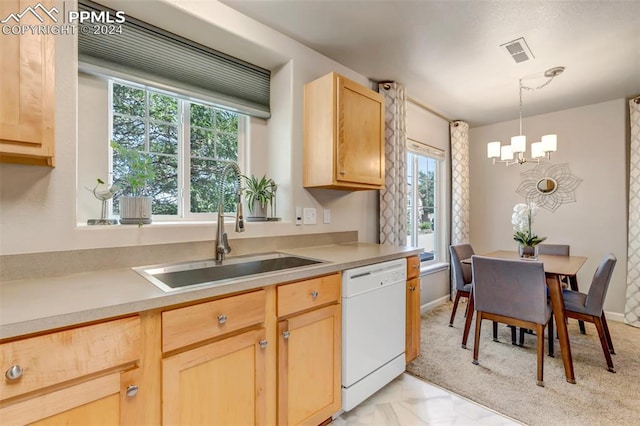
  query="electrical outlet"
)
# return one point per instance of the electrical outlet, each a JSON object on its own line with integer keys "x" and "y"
{"x": 326, "y": 216}
{"x": 298, "y": 215}
{"x": 309, "y": 216}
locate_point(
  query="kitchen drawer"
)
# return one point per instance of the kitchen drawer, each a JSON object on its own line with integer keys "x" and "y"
{"x": 413, "y": 267}
{"x": 192, "y": 324}
{"x": 303, "y": 295}
{"x": 65, "y": 355}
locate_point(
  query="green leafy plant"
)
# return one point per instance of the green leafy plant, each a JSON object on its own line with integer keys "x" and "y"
{"x": 258, "y": 190}
{"x": 138, "y": 168}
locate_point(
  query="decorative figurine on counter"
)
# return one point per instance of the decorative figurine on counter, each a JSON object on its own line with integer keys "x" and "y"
{"x": 103, "y": 192}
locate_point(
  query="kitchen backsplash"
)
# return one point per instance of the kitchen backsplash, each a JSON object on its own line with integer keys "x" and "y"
{"x": 59, "y": 263}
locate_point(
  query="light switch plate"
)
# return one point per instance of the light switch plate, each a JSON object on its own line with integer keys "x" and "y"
{"x": 326, "y": 216}
{"x": 309, "y": 216}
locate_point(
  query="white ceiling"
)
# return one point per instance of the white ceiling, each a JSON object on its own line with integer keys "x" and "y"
{"x": 448, "y": 54}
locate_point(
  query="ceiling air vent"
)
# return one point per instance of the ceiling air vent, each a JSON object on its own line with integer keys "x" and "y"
{"x": 518, "y": 50}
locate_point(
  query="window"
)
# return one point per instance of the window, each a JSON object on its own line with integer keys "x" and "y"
{"x": 187, "y": 141}
{"x": 423, "y": 168}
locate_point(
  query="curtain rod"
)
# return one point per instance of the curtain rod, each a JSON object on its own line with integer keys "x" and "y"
{"x": 426, "y": 108}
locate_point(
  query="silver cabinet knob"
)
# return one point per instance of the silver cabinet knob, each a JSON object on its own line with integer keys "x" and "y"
{"x": 314, "y": 294}
{"x": 342, "y": 172}
{"x": 285, "y": 335}
{"x": 132, "y": 390}
{"x": 222, "y": 319}
{"x": 14, "y": 372}
{"x": 263, "y": 343}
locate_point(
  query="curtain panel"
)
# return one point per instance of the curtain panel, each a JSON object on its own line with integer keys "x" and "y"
{"x": 632, "y": 306}
{"x": 459, "y": 182}
{"x": 393, "y": 198}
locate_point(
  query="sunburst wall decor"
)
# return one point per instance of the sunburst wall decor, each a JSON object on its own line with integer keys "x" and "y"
{"x": 549, "y": 185}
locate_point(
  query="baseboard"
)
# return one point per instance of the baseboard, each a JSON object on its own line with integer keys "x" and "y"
{"x": 433, "y": 304}
{"x": 614, "y": 316}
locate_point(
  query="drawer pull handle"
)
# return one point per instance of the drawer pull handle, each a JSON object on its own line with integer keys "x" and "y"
{"x": 14, "y": 372}
{"x": 222, "y": 319}
{"x": 263, "y": 343}
{"x": 416, "y": 266}
{"x": 285, "y": 335}
{"x": 132, "y": 390}
{"x": 412, "y": 288}
{"x": 314, "y": 294}
{"x": 342, "y": 172}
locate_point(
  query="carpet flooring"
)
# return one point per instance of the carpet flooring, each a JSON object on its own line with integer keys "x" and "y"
{"x": 505, "y": 379}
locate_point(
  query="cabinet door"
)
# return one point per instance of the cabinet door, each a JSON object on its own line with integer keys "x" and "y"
{"x": 221, "y": 383}
{"x": 360, "y": 135}
{"x": 413, "y": 319}
{"x": 27, "y": 87}
{"x": 309, "y": 367}
{"x": 102, "y": 401}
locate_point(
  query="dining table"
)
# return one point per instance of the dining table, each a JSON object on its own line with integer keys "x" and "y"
{"x": 554, "y": 267}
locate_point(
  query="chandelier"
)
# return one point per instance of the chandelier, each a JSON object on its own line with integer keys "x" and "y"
{"x": 515, "y": 153}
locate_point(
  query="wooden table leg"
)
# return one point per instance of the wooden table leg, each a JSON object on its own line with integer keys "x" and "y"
{"x": 555, "y": 292}
{"x": 467, "y": 321}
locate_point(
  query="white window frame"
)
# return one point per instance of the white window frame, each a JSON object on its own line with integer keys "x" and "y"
{"x": 418, "y": 148}
{"x": 184, "y": 213}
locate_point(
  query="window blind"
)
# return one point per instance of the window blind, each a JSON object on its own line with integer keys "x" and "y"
{"x": 424, "y": 149}
{"x": 157, "y": 57}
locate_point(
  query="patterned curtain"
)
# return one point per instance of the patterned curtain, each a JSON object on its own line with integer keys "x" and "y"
{"x": 459, "y": 182}
{"x": 632, "y": 307}
{"x": 393, "y": 198}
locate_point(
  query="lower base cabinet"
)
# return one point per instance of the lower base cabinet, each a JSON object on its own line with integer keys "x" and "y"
{"x": 102, "y": 401}
{"x": 309, "y": 367}
{"x": 221, "y": 383}
{"x": 82, "y": 376}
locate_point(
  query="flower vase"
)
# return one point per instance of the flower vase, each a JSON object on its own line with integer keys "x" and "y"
{"x": 528, "y": 252}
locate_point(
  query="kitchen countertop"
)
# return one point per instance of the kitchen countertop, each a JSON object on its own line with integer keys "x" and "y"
{"x": 34, "y": 305}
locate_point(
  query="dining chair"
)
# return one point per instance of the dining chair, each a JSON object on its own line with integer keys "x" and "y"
{"x": 462, "y": 276}
{"x": 512, "y": 292}
{"x": 589, "y": 307}
{"x": 572, "y": 282}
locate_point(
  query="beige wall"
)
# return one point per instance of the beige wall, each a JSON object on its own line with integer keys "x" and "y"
{"x": 592, "y": 140}
{"x": 38, "y": 205}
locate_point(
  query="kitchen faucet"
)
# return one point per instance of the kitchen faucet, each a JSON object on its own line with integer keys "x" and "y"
{"x": 222, "y": 242}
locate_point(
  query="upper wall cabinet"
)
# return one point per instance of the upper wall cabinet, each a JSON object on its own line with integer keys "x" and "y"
{"x": 27, "y": 93}
{"x": 343, "y": 135}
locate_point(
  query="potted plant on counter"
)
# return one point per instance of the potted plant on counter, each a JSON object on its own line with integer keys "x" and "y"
{"x": 135, "y": 174}
{"x": 258, "y": 193}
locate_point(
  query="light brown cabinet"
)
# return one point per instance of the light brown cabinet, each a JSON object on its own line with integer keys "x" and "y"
{"x": 413, "y": 309}
{"x": 222, "y": 380}
{"x": 27, "y": 86}
{"x": 221, "y": 383}
{"x": 309, "y": 351}
{"x": 86, "y": 375}
{"x": 343, "y": 135}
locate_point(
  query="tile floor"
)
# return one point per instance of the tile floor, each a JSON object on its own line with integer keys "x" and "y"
{"x": 409, "y": 401}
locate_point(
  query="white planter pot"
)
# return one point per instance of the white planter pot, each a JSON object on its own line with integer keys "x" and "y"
{"x": 258, "y": 212}
{"x": 135, "y": 210}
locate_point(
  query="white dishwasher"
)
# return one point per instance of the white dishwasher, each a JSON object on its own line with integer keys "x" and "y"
{"x": 373, "y": 328}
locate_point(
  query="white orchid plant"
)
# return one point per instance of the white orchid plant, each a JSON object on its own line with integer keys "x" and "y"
{"x": 522, "y": 218}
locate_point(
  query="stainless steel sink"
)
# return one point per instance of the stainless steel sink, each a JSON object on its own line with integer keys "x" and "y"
{"x": 176, "y": 276}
